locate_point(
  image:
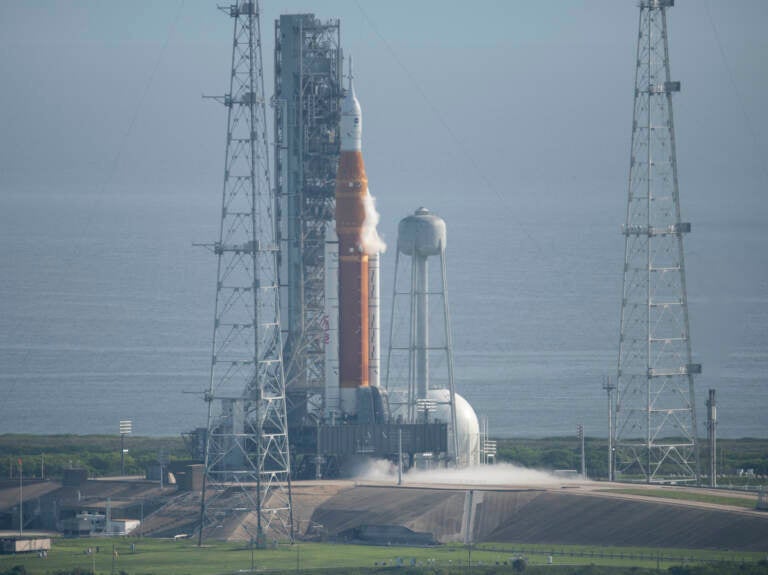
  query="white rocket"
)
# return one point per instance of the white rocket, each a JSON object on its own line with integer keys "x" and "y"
{"x": 353, "y": 346}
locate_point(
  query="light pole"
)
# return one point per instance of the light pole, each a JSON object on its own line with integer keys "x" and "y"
{"x": 609, "y": 387}
{"x": 400, "y": 456}
{"x": 580, "y": 432}
{"x": 126, "y": 426}
{"x": 712, "y": 437}
{"x": 21, "y": 498}
{"x": 163, "y": 459}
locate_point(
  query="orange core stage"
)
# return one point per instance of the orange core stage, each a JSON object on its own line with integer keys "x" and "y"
{"x": 351, "y": 189}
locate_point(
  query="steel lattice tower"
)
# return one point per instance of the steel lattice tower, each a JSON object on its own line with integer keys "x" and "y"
{"x": 308, "y": 92}
{"x": 247, "y": 464}
{"x": 655, "y": 433}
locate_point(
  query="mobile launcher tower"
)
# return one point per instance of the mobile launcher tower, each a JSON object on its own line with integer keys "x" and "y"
{"x": 337, "y": 411}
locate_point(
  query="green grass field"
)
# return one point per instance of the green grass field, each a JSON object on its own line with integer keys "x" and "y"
{"x": 164, "y": 557}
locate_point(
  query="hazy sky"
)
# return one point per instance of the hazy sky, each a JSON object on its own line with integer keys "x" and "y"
{"x": 516, "y": 107}
{"x": 535, "y": 95}
{"x": 496, "y": 114}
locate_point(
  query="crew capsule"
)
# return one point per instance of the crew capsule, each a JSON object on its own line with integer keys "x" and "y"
{"x": 351, "y": 121}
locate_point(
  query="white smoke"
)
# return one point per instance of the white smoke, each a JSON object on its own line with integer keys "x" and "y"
{"x": 375, "y": 470}
{"x": 498, "y": 474}
{"x": 370, "y": 240}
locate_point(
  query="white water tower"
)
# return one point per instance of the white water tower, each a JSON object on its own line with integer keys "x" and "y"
{"x": 419, "y": 370}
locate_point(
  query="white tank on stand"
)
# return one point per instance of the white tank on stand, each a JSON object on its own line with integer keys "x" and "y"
{"x": 421, "y": 303}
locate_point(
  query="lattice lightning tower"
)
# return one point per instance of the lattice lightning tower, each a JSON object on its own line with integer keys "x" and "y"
{"x": 247, "y": 464}
{"x": 655, "y": 433}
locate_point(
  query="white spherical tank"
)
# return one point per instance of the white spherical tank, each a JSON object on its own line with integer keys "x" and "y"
{"x": 466, "y": 422}
{"x": 421, "y": 234}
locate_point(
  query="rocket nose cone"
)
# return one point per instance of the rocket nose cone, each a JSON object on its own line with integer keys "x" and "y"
{"x": 351, "y": 122}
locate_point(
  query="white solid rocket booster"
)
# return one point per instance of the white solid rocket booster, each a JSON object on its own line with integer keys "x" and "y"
{"x": 374, "y": 327}
{"x": 332, "y": 399}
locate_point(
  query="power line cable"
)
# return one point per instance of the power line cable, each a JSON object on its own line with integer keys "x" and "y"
{"x": 756, "y": 141}
{"x": 480, "y": 173}
{"x": 142, "y": 98}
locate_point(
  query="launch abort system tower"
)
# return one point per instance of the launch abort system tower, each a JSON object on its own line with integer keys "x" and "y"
{"x": 308, "y": 90}
{"x": 655, "y": 432}
{"x": 247, "y": 460}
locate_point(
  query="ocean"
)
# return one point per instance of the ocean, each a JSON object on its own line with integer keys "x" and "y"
{"x": 106, "y": 309}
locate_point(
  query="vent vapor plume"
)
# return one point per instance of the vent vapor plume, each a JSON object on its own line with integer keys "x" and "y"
{"x": 370, "y": 240}
{"x": 502, "y": 474}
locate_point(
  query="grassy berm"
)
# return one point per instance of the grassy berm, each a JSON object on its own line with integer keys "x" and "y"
{"x": 166, "y": 557}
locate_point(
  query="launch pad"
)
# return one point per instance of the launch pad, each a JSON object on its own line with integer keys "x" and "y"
{"x": 329, "y": 451}
{"x": 302, "y": 399}
{"x": 338, "y": 411}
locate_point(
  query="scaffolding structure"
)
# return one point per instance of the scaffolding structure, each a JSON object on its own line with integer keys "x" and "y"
{"x": 247, "y": 461}
{"x": 308, "y": 90}
{"x": 655, "y": 417}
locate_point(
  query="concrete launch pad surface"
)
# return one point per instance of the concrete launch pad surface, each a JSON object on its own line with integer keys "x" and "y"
{"x": 547, "y": 512}
{"x": 567, "y": 514}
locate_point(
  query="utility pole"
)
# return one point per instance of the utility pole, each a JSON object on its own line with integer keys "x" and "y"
{"x": 580, "y": 433}
{"x": 21, "y": 498}
{"x": 400, "y": 456}
{"x": 712, "y": 437}
{"x": 609, "y": 387}
{"x": 126, "y": 427}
